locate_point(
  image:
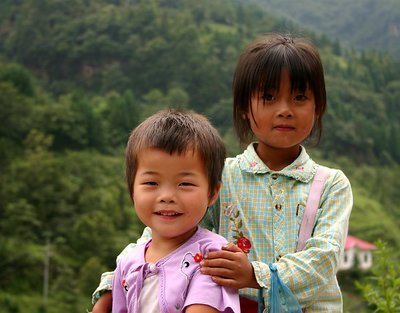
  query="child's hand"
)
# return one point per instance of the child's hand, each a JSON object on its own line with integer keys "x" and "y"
{"x": 229, "y": 267}
{"x": 104, "y": 304}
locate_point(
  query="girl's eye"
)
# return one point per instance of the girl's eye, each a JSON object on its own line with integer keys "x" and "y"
{"x": 268, "y": 97}
{"x": 186, "y": 184}
{"x": 300, "y": 97}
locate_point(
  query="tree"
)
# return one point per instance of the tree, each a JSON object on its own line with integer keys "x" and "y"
{"x": 382, "y": 288}
{"x": 122, "y": 114}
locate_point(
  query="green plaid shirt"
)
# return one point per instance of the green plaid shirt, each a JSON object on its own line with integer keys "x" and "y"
{"x": 267, "y": 207}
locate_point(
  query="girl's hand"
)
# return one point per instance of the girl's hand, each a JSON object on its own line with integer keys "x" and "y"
{"x": 229, "y": 267}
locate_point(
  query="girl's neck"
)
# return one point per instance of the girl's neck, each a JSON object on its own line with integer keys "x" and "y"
{"x": 277, "y": 158}
{"x": 161, "y": 246}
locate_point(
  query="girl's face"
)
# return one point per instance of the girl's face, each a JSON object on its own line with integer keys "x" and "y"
{"x": 171, "y": 193}
{"x": 281, "y": 119}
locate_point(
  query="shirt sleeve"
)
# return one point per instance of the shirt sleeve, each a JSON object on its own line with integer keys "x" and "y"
{"x": 118, "y": 295}
{"x": 107, "y": 277}
{"x": 202, "y": 290}
{"x": 309, "y": 271}
{"x": 104, "y": 286}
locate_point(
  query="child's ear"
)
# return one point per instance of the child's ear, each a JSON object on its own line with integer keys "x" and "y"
{"x": 214, "y": 194}
{"x": 244, "y": 116}
{"x": 316, "y": 117}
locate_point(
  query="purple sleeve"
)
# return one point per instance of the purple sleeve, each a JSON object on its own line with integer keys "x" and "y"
{"x": 202, "y": 290}
{"x": 118, "y": 294}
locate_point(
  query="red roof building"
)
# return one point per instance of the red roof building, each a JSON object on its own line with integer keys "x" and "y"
{"x": 358, "y": 253}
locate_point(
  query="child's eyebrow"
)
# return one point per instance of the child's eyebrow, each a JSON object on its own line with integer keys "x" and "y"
{"x": 148, "y": 173}
{"x": 187, "y": 174}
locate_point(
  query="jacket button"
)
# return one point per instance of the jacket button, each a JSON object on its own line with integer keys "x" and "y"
{"x": 274, "y": 176}
{"x": 278, "y": 207}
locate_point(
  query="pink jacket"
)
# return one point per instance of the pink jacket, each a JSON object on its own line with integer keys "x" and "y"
{"x": 180, "y": 282}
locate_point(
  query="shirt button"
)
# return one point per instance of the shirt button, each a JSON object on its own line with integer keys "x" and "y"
{"x": 274, "y": 176}
{"x": 153, "y": 268}
{"x": 278, "y": 258}
{"x": 278, "y": 207}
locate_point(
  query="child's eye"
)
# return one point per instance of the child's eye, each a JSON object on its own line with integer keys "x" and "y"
{"x": 300, "y": 97}
{"x": 268, "y": 97}
{"x": 150, "y": 183}
{"x": 186, "y": 184}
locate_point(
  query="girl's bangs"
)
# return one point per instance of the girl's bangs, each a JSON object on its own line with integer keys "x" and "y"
{"x": 268, "y": 75}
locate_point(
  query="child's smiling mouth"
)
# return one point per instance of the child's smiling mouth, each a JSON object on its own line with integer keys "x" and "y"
{"x": 168, "y": 213}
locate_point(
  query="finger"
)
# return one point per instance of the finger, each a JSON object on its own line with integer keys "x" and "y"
{"x": 221, "y": 254}
{"x": 231, "y": 247}
{"x": 218, "y": 263}
{"x": 228, "y": 282}
{"x": 217, "y": 271}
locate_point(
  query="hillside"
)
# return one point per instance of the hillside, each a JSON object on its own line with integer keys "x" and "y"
{"x": 360, "y": 24}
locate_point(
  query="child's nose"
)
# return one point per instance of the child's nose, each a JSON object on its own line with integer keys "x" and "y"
{"x": 284, "y": 108}
{"x": 167, "y": 195}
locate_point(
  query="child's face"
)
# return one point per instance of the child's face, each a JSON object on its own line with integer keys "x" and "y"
{"x": 171, "y": 193}
{"x": 282, "y": 119}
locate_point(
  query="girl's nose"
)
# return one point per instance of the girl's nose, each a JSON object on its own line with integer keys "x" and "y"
{"x": 284, "y": 109}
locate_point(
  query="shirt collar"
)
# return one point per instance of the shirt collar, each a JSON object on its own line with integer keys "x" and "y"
{"x": 302, "y": 169}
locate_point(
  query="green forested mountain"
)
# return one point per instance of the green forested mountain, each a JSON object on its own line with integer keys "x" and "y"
{"x": 359, "y": 24}
{"x": 76, "y": 76}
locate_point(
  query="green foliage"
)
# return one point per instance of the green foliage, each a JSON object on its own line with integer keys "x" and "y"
{"x": 382, "y": 288}
{"x": 16, "y": 105}
{"x": 369, "y": 218}
{"x": 19, "y": 77}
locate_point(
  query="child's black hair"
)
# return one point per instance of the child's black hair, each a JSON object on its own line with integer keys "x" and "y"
{"x": 260, "y": 67}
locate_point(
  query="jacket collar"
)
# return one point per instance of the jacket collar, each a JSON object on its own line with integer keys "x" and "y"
{"x": 302, "y": 169}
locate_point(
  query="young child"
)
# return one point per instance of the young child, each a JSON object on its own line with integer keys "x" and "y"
{"x": 174, "y": 162}
{"x": 279, "y": 101}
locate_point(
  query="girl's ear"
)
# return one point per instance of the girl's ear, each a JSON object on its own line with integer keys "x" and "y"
{"x": 317, "y": 113}
{"x": 247, "y": 113}
{"x": 214, "y": 194}
{"x": 316, "y": 117}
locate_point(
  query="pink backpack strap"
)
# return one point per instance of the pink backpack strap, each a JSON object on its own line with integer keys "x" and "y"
{"x": 310, "y": 211}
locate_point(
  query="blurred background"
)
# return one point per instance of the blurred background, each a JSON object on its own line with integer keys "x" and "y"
{"x": 76, "y": 76}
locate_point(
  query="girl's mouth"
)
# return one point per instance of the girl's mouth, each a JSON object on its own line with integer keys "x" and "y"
{"x": 284, "y": 127}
